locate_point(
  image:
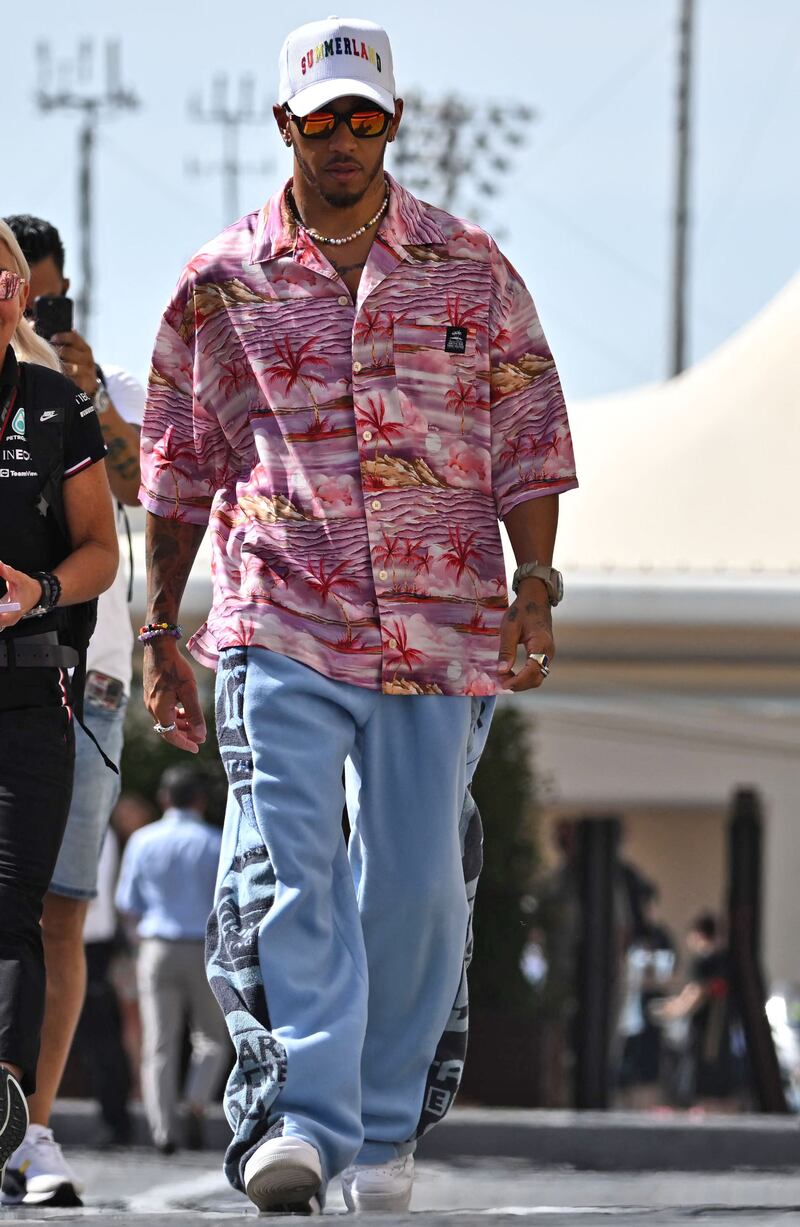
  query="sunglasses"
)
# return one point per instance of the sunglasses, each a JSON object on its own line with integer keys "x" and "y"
{"x": 362, "y": 121}
{"x": 9, "y": 285}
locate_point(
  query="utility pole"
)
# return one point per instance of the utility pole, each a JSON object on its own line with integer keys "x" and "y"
{"x": 231, "y": 117}
{"x": 683, "y": 152}
{"x": 67, "y": 85}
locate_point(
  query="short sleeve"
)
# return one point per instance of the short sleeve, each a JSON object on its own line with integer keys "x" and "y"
{"x": 183, "y": 448}
{"x": 531, "y": 442}
{"x": 127, "y": 394}
{"x": 83, "y": 438}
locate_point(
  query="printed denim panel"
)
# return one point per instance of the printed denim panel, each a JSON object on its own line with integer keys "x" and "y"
{"x": 245, "y": 895}
{"x": 447, "y": 1067}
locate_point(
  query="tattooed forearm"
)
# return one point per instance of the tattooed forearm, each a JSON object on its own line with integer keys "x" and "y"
{"x": 540, "y": 614}
{"x": 121, "y": 457}
{"x": 171, "y": 548}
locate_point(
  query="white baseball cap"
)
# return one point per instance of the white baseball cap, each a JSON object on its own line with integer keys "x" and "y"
{"x": 330, "y": 59}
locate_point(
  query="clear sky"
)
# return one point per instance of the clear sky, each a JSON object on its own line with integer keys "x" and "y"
{"x": 586, "y": 213}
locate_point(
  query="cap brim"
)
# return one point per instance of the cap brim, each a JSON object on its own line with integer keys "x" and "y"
{"x": 323, "y": 92}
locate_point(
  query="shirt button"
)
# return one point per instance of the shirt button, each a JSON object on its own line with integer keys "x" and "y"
{"x": 344, "y": 301}
{"x": 367, "y": 435}
{"x": 356, "y": 367}
{"x": 392, "y": 644}
{"x": 376, "y": 504}
{"x": 383, "y": 575}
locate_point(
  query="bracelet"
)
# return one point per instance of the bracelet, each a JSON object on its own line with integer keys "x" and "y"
{"x": 158, "y": 630}
{"x": 51, "y": 590}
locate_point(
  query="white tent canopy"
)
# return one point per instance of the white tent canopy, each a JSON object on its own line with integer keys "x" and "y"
{"x": 699, "y": 473}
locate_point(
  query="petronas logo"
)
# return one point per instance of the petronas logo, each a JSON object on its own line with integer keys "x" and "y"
{"x": 18, "y": 422}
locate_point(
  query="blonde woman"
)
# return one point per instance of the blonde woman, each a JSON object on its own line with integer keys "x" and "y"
{"x": 50, "y": 446}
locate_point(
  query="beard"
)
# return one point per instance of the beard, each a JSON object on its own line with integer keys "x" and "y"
{"x": 341, "y": 198}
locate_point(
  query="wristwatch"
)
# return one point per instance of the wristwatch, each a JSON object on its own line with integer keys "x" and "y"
{"x": 550, "y": 577}
{"x": 100, "y": 399}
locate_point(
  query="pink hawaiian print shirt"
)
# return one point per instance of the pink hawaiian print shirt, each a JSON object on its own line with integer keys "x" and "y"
{"x": 353, "y": 458}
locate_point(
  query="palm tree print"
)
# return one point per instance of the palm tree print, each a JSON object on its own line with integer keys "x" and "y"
{"x": 462, "y": 317}
{"x": 460, "y": 558}
{"x": 295, "y": 366}
{"x": 513, "y": 451}
{"x": 326, "y": 584}
{"x": 370, "y": 328}
{"x": 388, "y": 553}
{"x": 374, "y": 417}
{"x": 395, "y": 639}
{"x": 173, "y": 457}
{"x": 237, "y": 373}
{"x": 461, "y": 398}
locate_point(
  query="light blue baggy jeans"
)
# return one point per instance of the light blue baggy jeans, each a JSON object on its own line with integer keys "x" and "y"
{"x": 342, "y": 972}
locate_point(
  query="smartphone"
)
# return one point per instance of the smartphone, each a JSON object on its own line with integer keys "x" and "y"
{"x": 52, "y": 313}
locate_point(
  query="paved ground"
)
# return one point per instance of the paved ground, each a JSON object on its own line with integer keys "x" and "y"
{"x": 139, "y": 1188}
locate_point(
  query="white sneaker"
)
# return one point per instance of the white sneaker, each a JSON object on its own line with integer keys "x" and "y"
{"x": 284, "y": 1177}
{"x": 386, "y": 1186}
{"x": 37, "y": 1173}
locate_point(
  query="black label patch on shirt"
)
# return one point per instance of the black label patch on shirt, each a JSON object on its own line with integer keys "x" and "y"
{"x": 456, "y": 341}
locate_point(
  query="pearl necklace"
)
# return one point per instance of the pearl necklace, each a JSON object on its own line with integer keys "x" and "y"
{"x": 348, "y": 238}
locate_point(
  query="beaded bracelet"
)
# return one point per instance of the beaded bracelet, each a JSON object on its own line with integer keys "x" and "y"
{"x": 51, "y": 592}
{"x": 157, "y": 630}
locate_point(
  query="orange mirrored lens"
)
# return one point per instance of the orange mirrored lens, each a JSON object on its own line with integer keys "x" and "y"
{"x": 319, "y": 123}
{"x": 367, "y": 123}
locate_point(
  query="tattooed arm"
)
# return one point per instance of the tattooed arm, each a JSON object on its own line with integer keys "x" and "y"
{"x": 122, "y": 458}
{"x": 531, "y": 529}
{"x": 170, "y": 689}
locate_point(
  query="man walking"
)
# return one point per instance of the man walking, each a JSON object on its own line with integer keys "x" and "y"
{"x": 37, "y": 1173}
{"x": 166, "y": 882}
{"x": 351, "y": 386}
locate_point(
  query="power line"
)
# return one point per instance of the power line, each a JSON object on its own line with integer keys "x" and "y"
{"x": 66, "y": 85}
{"x": 231, "y": 117}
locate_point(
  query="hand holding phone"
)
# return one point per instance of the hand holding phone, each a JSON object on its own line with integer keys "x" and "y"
{"x": 52, "y": 313}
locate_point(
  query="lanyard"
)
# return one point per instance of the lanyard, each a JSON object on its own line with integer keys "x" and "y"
{"x": 8, "y": 399}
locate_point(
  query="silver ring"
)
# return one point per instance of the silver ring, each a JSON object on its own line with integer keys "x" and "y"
{"x": 164, "y": 728}
{"x": 542, "y": 660}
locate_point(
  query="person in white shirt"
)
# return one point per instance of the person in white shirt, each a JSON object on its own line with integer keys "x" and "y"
{"x": 37, "y": 1172}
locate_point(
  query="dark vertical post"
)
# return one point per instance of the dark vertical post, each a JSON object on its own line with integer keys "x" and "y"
{"x": 86, "y": 141}
{"x": 598, "y": 839}
{"x": 680, "y": 250}
{"x": 744, "y": 921}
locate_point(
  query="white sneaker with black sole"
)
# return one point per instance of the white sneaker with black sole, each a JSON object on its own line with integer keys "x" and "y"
{"x": 37, "y": 1174}
{"x": 379, "y": 1187}
{"x": 284, "y": 1177}
{"x": 13, "y": 1117}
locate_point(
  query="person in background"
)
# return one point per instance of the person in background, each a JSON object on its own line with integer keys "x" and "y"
{"x": 39, "y": 1167}
{"x": 167, "y": 883}
{"x": 712, "y": 1075}
{"x": 43, "y": 568}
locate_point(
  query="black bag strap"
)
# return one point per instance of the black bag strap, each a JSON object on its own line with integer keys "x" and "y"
{"x": 48, "y": 448}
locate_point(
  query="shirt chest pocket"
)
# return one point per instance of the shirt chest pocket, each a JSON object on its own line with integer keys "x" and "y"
{"x": 436, "y": 370}
{"x": 428, "y": 357}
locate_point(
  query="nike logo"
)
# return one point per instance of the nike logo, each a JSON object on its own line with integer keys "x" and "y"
{"x": 51, "y": 413}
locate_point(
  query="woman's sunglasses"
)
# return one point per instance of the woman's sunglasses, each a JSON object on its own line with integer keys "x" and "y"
{"x": 9, "y": 285}
{"x": 362, "y": 121}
